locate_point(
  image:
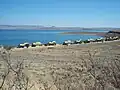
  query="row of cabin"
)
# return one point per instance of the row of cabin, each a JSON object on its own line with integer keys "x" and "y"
{"x": 26, "y": 45}
{"x": 69, "y": 42}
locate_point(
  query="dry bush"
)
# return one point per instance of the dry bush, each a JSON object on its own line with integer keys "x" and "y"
{"x": 12, "y": 74}
{"x": 105, "y": 72}
{"x": 92, "y": 73}
{"x": 68, "y": 77}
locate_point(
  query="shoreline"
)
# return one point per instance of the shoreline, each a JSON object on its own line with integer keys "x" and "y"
{"x": 85, "y": 33}
{"x": 106, "y": 35}
{"x": 60, "y": 45}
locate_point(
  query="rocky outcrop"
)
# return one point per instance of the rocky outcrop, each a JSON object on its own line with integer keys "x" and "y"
{"x": 113, "y": 34}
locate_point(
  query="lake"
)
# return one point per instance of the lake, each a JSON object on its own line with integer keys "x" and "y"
{"x": 15, "y": 37}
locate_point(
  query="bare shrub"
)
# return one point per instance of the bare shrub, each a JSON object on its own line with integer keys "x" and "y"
{"x": 13, "y": 76}
{"x": 105, "y": 72}
{"x": 67, "y": 78}
{"x": 92, "y": 73}
{"x": 8, "y": 47}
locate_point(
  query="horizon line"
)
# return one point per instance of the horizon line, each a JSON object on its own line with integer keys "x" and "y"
{"x": 56, "y": 26}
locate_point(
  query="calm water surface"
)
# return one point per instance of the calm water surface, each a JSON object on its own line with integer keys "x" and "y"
{"x": 14, "y": 37}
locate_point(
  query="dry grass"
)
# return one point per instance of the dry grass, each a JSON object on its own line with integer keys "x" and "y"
{"x": 84, "y": 67}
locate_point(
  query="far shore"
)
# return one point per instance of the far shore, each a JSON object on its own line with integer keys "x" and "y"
{"x": 39, "y": 27}
{"x": 86, "y": 33}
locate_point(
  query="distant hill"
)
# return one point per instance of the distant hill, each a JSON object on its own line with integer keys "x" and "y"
{"x": 39, "y": 27}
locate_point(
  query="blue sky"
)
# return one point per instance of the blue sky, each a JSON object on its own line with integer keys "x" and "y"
{"x": 80, "y": 13}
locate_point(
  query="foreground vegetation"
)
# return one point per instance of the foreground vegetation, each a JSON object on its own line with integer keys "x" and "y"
{"x": 87, "y": 73}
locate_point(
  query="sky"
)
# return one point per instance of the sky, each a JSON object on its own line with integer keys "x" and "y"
{"x": 65, "y": 13}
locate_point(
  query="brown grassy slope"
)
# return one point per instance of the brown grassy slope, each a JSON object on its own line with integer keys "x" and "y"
{"x": 63, "y": 67}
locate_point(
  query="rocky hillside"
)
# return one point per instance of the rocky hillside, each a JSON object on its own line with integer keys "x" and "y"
{"x": 113, "y": 33}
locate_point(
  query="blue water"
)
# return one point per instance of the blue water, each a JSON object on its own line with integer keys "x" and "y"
{"x": 14, "y": 37}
